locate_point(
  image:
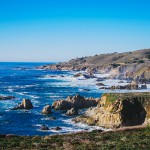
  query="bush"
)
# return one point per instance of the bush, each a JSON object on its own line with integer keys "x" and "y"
{"x": 141, "y": 61}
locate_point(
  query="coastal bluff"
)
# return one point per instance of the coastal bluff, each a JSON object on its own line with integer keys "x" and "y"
{"x": 116, "y": 110}
{"x": 133, "y": 65}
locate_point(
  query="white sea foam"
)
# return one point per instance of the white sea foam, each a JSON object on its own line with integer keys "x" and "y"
{"x": 81, "y": 126}
{"x": 10, "y": 90}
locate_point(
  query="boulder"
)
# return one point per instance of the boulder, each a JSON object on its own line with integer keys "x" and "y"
{"x": 26, "y": 104}
{"x": 52, "y": 118}
{"x": 44, "y": 127}
{"x": 47, "y": 110}
{"x": 6, "y": 97}
{"x": 132, "y": 86}
{"x": 144, "y": 86}
{"x": 72, "y": 112}
{"x": 78, "y": 75}
{"x": 100, "y": 79}
{"x": 100, "y": 84}
{"x": 56, "y": 128}
{"x": 77, "y": 102}
{"x": 88, "y": 76}
{"x": 118, "y": 110}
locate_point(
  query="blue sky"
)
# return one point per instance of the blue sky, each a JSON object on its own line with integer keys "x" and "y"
{"x": 58, "y": 30}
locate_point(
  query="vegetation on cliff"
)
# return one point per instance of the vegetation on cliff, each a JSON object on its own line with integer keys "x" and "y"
{"x": 116, "y": 110}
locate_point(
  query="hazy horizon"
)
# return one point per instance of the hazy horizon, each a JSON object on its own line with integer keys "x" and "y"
{"x": 54, "y": 31}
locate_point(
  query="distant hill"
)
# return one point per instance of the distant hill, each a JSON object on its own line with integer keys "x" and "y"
{"x": 106, "y": 59}
{"x": 129, "y": 65}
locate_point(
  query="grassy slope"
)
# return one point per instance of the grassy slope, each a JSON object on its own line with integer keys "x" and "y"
{"x": 125, "y": 139}
{"x": 103, "y": 59}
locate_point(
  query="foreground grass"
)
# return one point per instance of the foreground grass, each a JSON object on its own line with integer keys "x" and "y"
{"x": 130, "y": 139}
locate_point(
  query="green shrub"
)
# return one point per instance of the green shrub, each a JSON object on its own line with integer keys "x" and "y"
{"x": 141, "y": 61}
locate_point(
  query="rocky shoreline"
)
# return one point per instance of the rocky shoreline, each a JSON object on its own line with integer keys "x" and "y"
{"x": 111, "y": 110}
{"x": 124, "y": 66}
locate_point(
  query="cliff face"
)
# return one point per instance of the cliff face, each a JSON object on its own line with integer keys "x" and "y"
{"x": 118, "y": 110}
{"x": 130, "y": 65}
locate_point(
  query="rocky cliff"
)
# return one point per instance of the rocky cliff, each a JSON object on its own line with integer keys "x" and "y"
{"x": 118, "y": 110}
{"x": 130, "y": 65}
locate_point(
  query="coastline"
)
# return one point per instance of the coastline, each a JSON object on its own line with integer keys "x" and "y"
{"x": 66, "y": 79}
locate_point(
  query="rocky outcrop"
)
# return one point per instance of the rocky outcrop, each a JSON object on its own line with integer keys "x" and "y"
{"x": 26, "y": 104}
{"x": 100, "y": 84}
{"x": 132, "y": 86}
{"x": 144, "y": 86}
{"x": 56, "y": 128}
{"x": 72, "y": 112}
{"x": 77, "y": 102}
{"x": 118, "y": 110}
{"x": 6, "y": 97}
{"x": 44, "y": 127}
{"x": 47, "y": 110}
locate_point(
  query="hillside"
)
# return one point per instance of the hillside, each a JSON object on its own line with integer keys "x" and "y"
{"x": 119, "y": 58}
{"x": 130, "y": 65}
{"x": 137, "y": 138}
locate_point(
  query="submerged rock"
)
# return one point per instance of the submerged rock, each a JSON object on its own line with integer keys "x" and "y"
{"x": 52, "y": 118}
{"x": 78, "y": 75}
{"x": 144, "y": 86}
{"x": 6, "y": 97}
{"x": 100, "y": 84}
{"x": 72, "y": 112}
{"x": 77, "y": 102}
{"x": 118, "y": 110}
{"x": 44, "y": 127}
{"x": 26, "y": 104}
{"x": 47, "y": 110}
{"x": 56, "y": 128}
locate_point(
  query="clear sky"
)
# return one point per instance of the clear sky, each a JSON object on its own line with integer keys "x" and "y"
{"x": 57, "y": 30}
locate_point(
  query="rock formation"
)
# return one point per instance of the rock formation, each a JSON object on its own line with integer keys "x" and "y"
{"x": 26, "y": 104}
{"x": 6, "y": 97}
{"x": 144, "y": 86}
{"x": 132, "y": 86}
{"x": 44, "y": 127}
{"x": 118, "y": 110}
{"x": 72, "y": 112}
{"x": 47, "y": 110}
{"x": 77, "y": 102}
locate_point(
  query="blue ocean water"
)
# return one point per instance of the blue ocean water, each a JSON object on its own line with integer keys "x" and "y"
{"x": 42, "y": 87}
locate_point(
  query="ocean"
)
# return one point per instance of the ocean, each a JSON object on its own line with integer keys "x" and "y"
{"x": 42, "y": 87}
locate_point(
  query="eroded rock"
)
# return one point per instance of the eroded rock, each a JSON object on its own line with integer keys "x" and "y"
{"x": 47, "y": 110}
{"x": 118, "y": 110}
{"x": 26, "y": 104}
{"x": 77, "y": 102}
{"x": 144, "y": 86}
{"x": 44, "y": 127}
{"x": 72, "y": 112}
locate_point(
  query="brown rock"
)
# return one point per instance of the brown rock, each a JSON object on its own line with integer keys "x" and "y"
{"x": 47, "y": 110}
{"x": 72, "y": 112}
{"x": 26, "y": 104}
{"x": 77, "y": 102}
{"x": 117, "y": 110}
